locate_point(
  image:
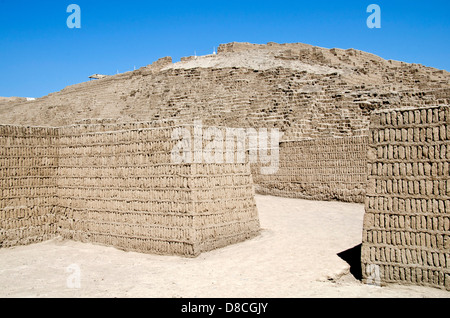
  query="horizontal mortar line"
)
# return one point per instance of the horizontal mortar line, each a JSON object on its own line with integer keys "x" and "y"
{"x": 124, "y": 140}
{"x": 398, "y": 143}
{"x": 11, "y": 232}
{"x": 80, "y": 145}
{"x": 33, "y": 144}
{"x": 126, "y": 130}
{"x": 151, "y": 213}
{"x": 28, "y": 177}
{"x": 125, "y": 153}
{"x": 311, "y": 166}
{"x": 159, "y": 176}
{"x": 409, "y": 177}
{"x": 329, "y": 147}
{"x": 409, "y": 125}
{"x": 28, "y": 238}
{"x": 28, "y": 228}
{"x": 407, "y": 160}
{"x": 147, "y": 238}
{"x": 351, "y": 141}
{"x": 31, "y": 197}
{"x": 187, "y": 189}
{"x": 168, "y": 227}
{"x": 442, "y": 180}
{"x": 168, "y": 239}
{"x": 416, "y": 266}
{"x": 299, "y": 185}
{"x": 49, "y": 167}
{"x": 312, "y": 193}
{"x": 135, "y": 144}
{"x": 25, "y": 172}
{"x": 31, "y": 156}
{"x": 30, "y": 188}
{"x": 301, "y": 152}
{"x": 187, "y": 176}
{"x": 409, "y": 230}
{"x": 143, "y": 165}
{"x": 317, "y": 150}
{"x": 7, "y": 208}
{"x": 409, "y": 247}
{"x": 316, "y": 179}
{"x": 224, "y": 225}
{"x": 28, "y": 216}
{"x": 145, "y": 201}
{"x": 126, "y": 187}
{"x": 320, "y": 162}
{"x": 140, "y": 176}
{"x": 313, "y": 182}
{"x": 405, "y": 196}
{"x": 149, "y": 201}
{"x": 286, "y": 167}
{"x": 409, "y": 108}
{"x": 372, "y": 211}
{"x": 42, "y": 186}
{"x": 155, "y": 226}
{"x": 418, "y": 282}
{"x": 294, "y": 173}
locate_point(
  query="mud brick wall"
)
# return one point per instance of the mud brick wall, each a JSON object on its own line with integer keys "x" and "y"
{"x": 319, "y": 169}
{"x": 28, "y": 167}
{"x": 223, "y": 205}
{"x": 406, "y": 234}
{"x": 119, "y": 188}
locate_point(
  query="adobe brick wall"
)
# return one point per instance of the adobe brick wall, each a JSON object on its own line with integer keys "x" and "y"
{"x": 320, "y": 169}
{"x": 118, "y": 187}
{"x": 406, "y": 235}
{"x": 28, "y": 192}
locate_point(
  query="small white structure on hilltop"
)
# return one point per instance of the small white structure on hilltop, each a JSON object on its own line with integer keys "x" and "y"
{"x": 97, "y": 76}
{"x": 214, "y": 52}
{"x": 30, "y": 99}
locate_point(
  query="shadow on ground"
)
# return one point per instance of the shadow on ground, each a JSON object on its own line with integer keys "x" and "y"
{"x": 353, "y": 258}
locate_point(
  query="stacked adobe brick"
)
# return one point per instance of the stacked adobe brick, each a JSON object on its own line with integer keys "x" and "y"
{"x": 320, "y": 169}
{"x": 28, "y": 192}
{"x": 117, "y": 185}
{"x": 406, "y": 235}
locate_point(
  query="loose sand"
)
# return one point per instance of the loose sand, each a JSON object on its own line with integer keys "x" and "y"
{"x": 295, "y": 256}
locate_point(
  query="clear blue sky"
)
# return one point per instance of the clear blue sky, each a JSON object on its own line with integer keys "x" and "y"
{"x": 39, "y": 54}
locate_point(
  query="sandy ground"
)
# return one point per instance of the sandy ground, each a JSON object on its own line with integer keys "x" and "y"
{"x": 295, "y": 256}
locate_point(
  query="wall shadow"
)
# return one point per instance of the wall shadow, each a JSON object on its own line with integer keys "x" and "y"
{"x": 353, "y": 258}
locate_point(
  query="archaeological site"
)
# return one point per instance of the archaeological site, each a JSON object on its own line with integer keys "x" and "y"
{"x": 94, "y": 161}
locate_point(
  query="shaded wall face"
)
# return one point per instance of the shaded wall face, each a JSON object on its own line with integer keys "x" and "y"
{"x": 321, "y": 169}
{"x": 406, "y": 235}
{"x": 224, "y": 208}
{"x": 28, "y": 193}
